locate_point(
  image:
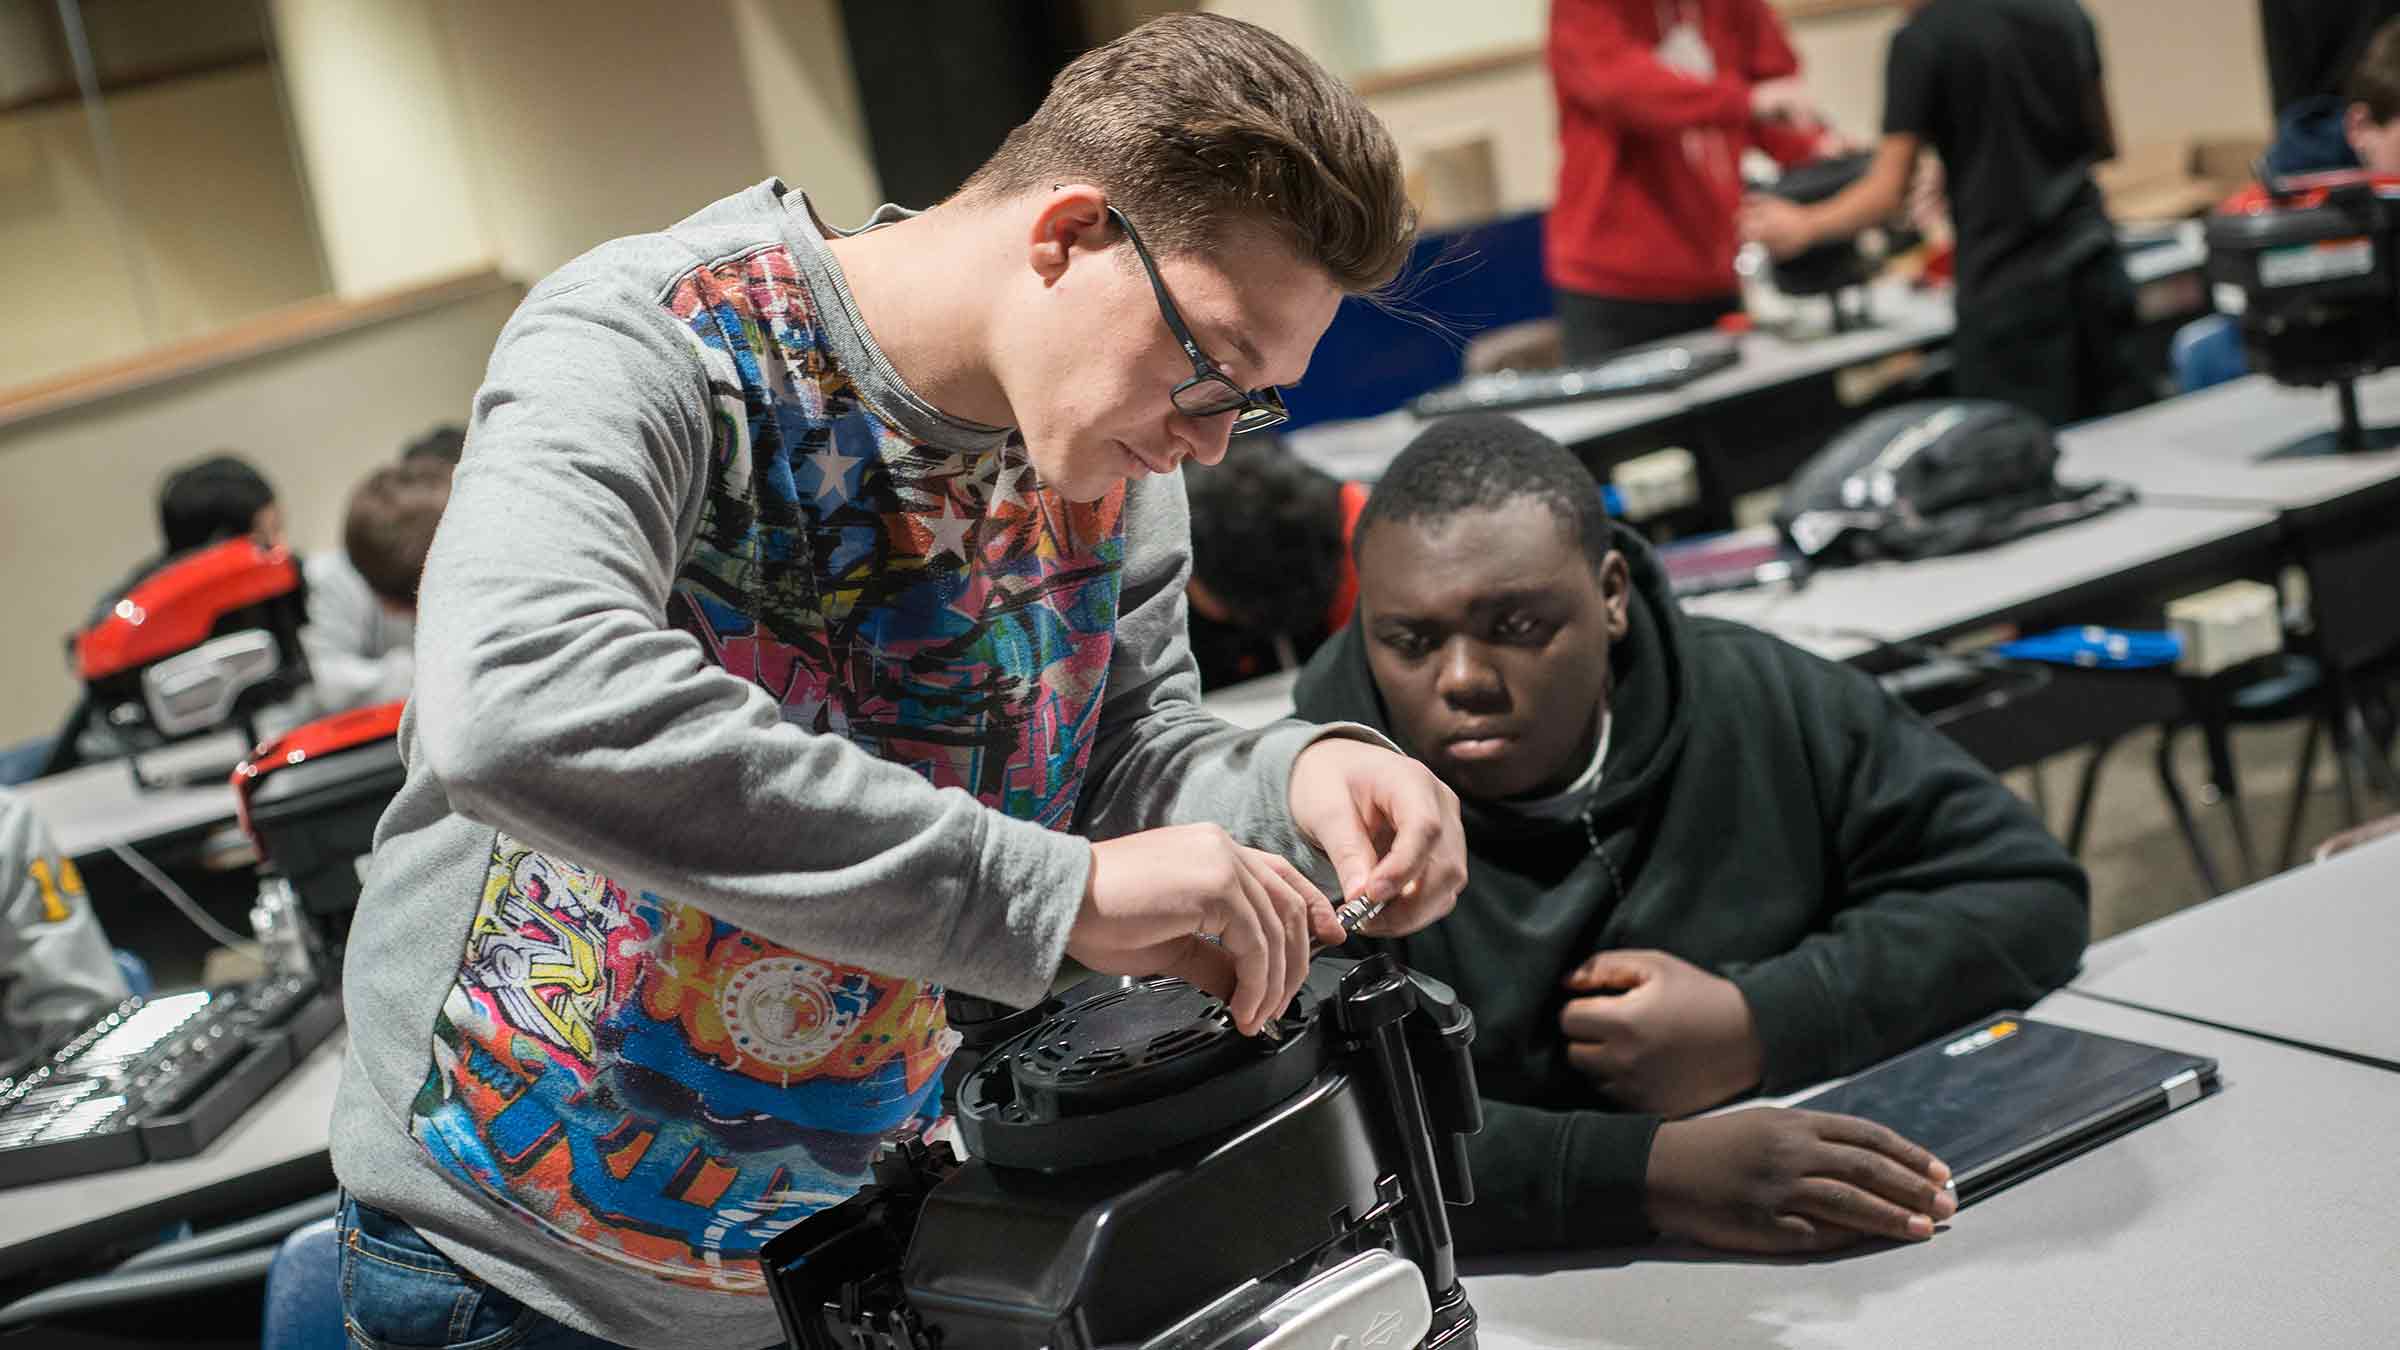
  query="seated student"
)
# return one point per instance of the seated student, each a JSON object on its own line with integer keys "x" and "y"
{"x": 446, "y": 443}
{"x": 362, "y": 598}
{"x": 2358, "y": 128}
{"x": 1701, "y": 863}
{"x": 57, "y": 972}
{"x": 204, "y": 502}
{"x": 1271, "y": 573}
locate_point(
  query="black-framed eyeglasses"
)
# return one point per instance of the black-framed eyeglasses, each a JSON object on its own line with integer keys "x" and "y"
{"x": 1210, "y": 392}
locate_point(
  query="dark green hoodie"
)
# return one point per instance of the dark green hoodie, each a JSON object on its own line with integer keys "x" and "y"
{"x": 1766, "y": 815}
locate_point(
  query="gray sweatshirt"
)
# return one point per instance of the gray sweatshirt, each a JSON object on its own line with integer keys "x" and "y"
{"x": 756, "y": 700}
{"x": 57, "y": 972}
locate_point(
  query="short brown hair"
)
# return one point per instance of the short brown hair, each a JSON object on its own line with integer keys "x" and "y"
{"x": 2375, "y": 80}
{"x": 1194, "y": 119}
{"x": 390, "y": 525}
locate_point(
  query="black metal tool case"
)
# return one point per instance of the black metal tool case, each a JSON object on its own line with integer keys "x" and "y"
{"x": 157, "y": 1079}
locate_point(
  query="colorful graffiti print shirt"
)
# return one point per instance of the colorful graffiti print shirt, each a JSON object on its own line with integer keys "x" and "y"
{"x": 754, "y": 702}
{"x": 669, "y": 1089}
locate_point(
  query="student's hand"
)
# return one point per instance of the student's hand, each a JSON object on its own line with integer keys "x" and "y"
{"x": 1928, "y": 199}
{"x": 2356, "y": 835}
{"x": 1783, "y": 100}
{"x": 1784, "y": 228}
{"x": 1389, "y": 826}
{"x": 1833, "y": 143}
{"x": 1776, "y": 1180}
{"x": 1190, "y": 901}
{"x": 1659, "y": 1034}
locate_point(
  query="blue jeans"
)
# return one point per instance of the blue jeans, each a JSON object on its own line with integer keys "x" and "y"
{"x": 400, "y": 1293}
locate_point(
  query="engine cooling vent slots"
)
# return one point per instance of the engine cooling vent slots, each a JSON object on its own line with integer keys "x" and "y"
{"x": 1129, "y": 1046}
{"x": 1125, "y": 1069}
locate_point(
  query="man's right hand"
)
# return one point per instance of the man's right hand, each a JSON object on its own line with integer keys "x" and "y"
{"x": 1190, "y": 901}
{"x": 1783, "y": 100}
{"x": 1772, "y": 1179}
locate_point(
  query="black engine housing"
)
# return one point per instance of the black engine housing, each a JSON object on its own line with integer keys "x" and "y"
{"x": 1143, "y": 1175}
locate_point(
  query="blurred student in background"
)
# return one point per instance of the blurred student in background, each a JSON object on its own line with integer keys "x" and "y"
{"x": 2008, "y": 93}
{"x": 57, "y": 972}
{"x": 362, "y": 597}
{"x": 207, "y": 501}
{"x": 1657, "y": 101}
{"x": 2358, "y": 128}
{"x": 1271, "y": 571}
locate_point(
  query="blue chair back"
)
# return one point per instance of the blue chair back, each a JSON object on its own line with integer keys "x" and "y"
{"x": 304, "y": 1292}
{"x": 1458, "y": 283}
{"x": 135, "y": 970}
{"x": 2207, "y": 351}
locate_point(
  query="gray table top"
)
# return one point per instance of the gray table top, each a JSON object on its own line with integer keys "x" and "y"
{"x": 1843, "y": 610}
{"x": 2311, "y": 956}
{"x": 2266, "y": 1215}
{"x": 2218, "y": 445}
{"x": 289, "y": 1124}
{"x": 88, "y": 808}
{"x": 1905, "y": 318}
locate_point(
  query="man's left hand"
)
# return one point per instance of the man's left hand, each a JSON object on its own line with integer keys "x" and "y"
{"x": 1389, "y": 826}
{"x": 1657, "y": 1033}
{"x": 1783, "y": 227}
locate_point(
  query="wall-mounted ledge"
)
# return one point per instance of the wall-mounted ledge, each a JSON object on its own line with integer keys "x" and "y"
{"x": 1507, "y": 56}
{"x": 1481, "y": 62}
{"x": 274, "y": 331}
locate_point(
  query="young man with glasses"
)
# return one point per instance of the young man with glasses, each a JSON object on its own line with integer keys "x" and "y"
{"x": 805, "y": 635}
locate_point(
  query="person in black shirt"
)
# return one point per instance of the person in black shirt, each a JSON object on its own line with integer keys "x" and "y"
{"x": 1701, "y": 863}
{"x": 2008, "y": 94}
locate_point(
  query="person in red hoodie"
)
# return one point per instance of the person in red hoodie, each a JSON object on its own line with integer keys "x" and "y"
{"x": 1657, "y": 100}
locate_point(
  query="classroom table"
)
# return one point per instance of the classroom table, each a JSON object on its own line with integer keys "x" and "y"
{"x": 2233, "y": 445}
{"x": 2311, "y": 957}
{"x": 2096, "y": 570}
{"x": 1753, "y": 422}
{"x": 1902, "y": 319}
{"x": 2123, "y": 563}
{"x": 89, "y": 808}
{"x": 2264, "y": 1215}
{"x": 276, "y": 1152}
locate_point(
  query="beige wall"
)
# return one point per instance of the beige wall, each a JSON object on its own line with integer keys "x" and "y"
{"x": 58, "y": 252}
{"x": 806, "y": 100}
{"x": 77, "y": 490}
{"x": 608, "y": 118}
{"x": 2189, "y": 68}
{"x": 1841, "y": 57}
{"x": 216, "y": 138}
{"x": 377, "y": 119}
{"x": 446, "y": 134}
{"x": 437, "y": 136}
